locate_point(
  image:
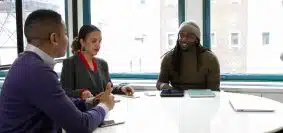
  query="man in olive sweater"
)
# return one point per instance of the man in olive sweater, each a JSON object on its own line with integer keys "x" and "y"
{"x": 189, "y": 65}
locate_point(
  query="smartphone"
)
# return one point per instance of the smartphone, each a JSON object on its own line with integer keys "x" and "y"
{"x": 110, "y": 123}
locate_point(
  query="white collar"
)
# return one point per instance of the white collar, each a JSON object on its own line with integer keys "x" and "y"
{"x": 47, "y": 59}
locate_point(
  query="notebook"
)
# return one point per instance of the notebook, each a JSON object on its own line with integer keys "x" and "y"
{"x": 200, "y": 93}
{"x": 249, "y": 104}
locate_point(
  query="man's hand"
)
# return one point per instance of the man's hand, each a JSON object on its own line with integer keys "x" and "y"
{"x": 127, "y": 90}
{"x": 97, "y": 97}
{"x": 165, "y": 86}
{"x": 106, "y": 97}
{"x": 86, "y": 94}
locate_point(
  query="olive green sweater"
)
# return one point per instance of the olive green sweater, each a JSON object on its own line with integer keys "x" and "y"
{"x": 207, "y": 77}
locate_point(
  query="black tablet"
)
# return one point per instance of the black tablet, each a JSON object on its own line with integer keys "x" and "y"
{"x": 172, "y": 93}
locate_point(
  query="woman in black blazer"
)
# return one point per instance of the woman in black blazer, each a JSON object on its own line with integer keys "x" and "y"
{"x": 83, "y": 75}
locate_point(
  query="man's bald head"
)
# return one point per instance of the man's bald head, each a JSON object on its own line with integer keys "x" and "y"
{"x": 40, "y": 24}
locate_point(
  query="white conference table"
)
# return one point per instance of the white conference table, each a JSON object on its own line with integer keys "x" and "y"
{"x": 191, "y": 115}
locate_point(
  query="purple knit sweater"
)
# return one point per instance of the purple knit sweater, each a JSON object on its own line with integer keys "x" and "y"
{"x": 33, "y": 101}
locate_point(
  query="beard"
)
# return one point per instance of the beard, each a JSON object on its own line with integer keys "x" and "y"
{"x": 186, "y": 46}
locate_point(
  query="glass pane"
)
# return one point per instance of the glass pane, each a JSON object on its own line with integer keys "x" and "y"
{"x": 171, "y": 40}
{"x": 265, "y": 38}
{"x": 32, "y": 5}
{"x": 8, "y": 34}
{"x": 234, "y": 38}
{"x": 135, "y": 33}
{"x": 251, "y": 18}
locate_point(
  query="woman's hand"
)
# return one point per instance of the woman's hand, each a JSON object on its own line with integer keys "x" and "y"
{"x": 86, "y": 94}
{"x": 128, "y": 90}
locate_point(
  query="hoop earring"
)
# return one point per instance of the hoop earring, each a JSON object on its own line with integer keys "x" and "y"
{"x": 83, "y": 49}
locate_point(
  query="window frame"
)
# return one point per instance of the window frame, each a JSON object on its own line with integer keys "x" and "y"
{"x": 20, "y": 37}
{"x": 243, "y": 77}
{"x": 238, "y": 77}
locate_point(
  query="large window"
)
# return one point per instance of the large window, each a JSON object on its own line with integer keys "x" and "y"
{"x": 8, "y": 33}
{"x": 32, "y": 5}
{"x": 251, "y": 28}
{"x": 135, "y": 33}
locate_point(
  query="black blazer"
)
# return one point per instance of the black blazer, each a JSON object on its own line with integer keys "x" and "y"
{"x": 76, "y": 76}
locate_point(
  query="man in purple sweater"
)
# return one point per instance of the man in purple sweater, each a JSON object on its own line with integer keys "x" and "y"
{"x": 32, "y": 100}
